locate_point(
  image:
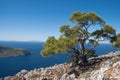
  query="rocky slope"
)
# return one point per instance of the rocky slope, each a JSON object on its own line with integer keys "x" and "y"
{"x": 10, "y": 52}
{"x": 105, "y": 67}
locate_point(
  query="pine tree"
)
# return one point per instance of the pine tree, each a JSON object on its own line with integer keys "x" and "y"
{"x": 80, "y": 40}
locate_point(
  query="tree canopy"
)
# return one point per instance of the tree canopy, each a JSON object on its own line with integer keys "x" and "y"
{"x": 80, "y": 40}
{"x": 116, "y": 41}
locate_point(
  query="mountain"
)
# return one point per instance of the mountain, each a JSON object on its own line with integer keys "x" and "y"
{"x": 104, "y": 67}
{"x": 11, "y": 52}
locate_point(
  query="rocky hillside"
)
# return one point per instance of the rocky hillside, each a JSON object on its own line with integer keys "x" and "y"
{"x": 105, "y": 67}
{"x": 10, "y": 52}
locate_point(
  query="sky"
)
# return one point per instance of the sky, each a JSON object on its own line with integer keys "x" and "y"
{"x": 36, "y": 20}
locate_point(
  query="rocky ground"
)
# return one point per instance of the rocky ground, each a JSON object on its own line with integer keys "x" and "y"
{"x": 105, "y": 67}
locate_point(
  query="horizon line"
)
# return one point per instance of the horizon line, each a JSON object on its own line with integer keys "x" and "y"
{"x": 21, "y": 41}
{"x": 41, "y": 41}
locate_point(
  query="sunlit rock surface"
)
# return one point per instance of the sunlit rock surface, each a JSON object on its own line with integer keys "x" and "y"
{"x": 105, "y": 67}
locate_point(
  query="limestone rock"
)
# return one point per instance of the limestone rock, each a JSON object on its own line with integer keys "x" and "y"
{"x": 105, "y": 67}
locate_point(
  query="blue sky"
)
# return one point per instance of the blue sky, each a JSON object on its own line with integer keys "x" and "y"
{"x": 35, "y": 20}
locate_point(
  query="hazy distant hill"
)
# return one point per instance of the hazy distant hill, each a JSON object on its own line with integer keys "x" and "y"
{"x": 10, "y": 52}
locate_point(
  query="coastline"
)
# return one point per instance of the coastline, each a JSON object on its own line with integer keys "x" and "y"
{"x": 12, "y": 52}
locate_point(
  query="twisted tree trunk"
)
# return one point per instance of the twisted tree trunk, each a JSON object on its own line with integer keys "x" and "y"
{"x": 84, "y": 60}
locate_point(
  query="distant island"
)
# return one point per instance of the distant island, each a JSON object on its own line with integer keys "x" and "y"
{"x": 11, "y": 52}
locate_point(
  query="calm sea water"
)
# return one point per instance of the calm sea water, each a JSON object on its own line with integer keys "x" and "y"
{"x": 10, "y": 66}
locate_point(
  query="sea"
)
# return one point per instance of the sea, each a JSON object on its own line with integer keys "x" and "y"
{"x": 12, "y": 65}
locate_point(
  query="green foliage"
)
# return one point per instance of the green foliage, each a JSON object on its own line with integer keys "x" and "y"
{"x": 75, "y": 38}
{"x": 109, "y": 29}
{"x": 54, "y": 46}
{"x": 108, "y": 32}
{"x": 90, "y": 53}
{"x": 93, "y": 42}
{"x": 116, "y": 41}
{"x": 84, "y": 19}
{"x": 50, "y": 46}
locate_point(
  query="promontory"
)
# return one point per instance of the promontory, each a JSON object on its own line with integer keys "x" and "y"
{"x": 11, "y": 52}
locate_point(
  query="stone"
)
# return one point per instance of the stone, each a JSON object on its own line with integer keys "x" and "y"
{"x": 105, "y": 67}
{"x": 24, "y": 71}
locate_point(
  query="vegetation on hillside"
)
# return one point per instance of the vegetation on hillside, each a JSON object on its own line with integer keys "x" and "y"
{"x": 11, "y": 52}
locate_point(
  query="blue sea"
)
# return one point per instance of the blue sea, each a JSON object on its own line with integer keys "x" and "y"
{"x": 12, "y": 65}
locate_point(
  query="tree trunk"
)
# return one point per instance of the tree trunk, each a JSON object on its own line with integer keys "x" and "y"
{"x": 83, "y": 47}
{"x": 76, "y": 60}
{"x": 76, "y": 57}
{"x": 80, "y": 56}
{"x": 84, "y": 60}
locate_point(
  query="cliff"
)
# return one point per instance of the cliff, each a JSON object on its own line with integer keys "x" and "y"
{"x": 105, "y": 67}
{"x": 10, "y": 52}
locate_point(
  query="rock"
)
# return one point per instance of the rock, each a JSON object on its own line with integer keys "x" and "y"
{"x": 113, "y": 72}
{"x": 63, "y": 77}
{"x": 72, "y": 76}
{"x": 24, "y": 71}
{"x": 105, "y": 67}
